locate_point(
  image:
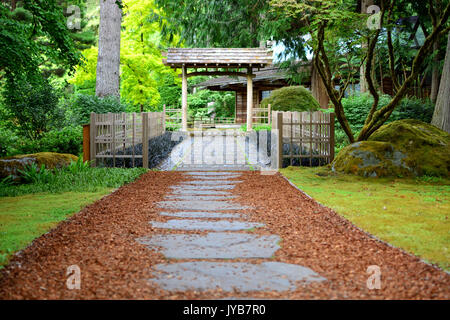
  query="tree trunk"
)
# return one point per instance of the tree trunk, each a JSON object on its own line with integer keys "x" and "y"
{"x": 441, "y": 116}
{"x": 108, "y": 64}
{"x": 362, "y": 80}
{"x": 318, "y": 89}
{"x": 435, "y": 75}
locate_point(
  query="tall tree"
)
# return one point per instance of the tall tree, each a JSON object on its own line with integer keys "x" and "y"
{"x": 108, "y": 62}
{"x": 441, "y": 116}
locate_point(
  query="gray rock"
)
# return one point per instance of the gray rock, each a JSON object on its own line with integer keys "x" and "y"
{"x": 215, "y": 245}
{"x": 211, "y": 182}
{"x": 200, "y": 214}
{"x": 204, "y": 275}
{"x": 204, "y": 187}
{"x": 201, "y": 205}
{"x": 194, "y": 224}
{"x": 200, "y": 192}
{"x": 199, "y": 198}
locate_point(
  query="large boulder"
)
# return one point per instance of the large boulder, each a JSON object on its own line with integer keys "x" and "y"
{"x": 401, "y": 148}
{"x": 51, "y": 160}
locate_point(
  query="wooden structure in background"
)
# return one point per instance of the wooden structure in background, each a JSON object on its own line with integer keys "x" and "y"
{"x": 86, "y": 142}
{"x": 311, "y": 133}
{"x": 266, "y": 79}
{"x": 117, "y": 135}
{"x": 218, "y": 62}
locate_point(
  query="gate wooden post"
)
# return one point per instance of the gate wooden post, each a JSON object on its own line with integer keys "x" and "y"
{"x": 331, "y": 137}
{"x": 280, "y": 139}
{"x": 145, "y": 133}
{"x": 92, "y": 133}
{"x": 86, "y": 142}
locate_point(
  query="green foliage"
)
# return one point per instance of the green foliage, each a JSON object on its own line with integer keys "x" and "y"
{"x": 33, "y": 109}
{"x": 86, "y": 180}
{"x": 34, "y": 174}
{"x": 169, "y": 91}
{"x": 77, "y": 166}
{"x": 356, "y": 107}
{"x": 81, "y": 106}
{"x": 21, "y": 54}
{"x": 8, "y": 142}
{"x": 212, "y": 23}
{"x": 66, "y": 140}
{"x": 224, "y": 103}
{"x": 295, "y": 98}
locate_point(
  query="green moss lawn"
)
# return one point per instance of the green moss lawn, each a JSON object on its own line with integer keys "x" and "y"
{"x": 412, "y": 214}
{"x": 27, "y": 217}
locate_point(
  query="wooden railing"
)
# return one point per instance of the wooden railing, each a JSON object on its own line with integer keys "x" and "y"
{"x": 117, "y": 135}
{"x": 308, "y": 135}
{"x": 262, "y": 115}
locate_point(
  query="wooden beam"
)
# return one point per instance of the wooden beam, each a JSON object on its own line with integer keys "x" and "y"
{"x": 184, "y": 93}
{"x": 216, "y": 73}
{"x": 249, "y": 100}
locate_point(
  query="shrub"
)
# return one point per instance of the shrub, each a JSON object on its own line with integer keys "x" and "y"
{"x": 8, "y": 142}
{"x": 81, "y": 106}
{"x": 295, "y": 98}
{"x": 34, "y": 109}
{"x": 66, "y": 140}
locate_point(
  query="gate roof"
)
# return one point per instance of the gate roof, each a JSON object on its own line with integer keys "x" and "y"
{"x": 218, "y": 57}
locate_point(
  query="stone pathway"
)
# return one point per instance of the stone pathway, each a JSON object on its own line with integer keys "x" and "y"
{"x": 204, "y": 203}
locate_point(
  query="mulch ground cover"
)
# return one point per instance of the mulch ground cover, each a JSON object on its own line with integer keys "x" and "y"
{"x": 100, "y": 239}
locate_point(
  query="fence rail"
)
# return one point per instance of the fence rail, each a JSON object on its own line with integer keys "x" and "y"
{"x": 304, "y": 136}
{"x": 116, "y": 136}
{"x": 262, "y": 115}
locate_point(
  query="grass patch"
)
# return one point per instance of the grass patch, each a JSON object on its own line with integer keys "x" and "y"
{"x": 27, "y": 217}
{"x": 29, "y": 210}
{"x": 86, "y": 180}
{"x": 409, "y": 213}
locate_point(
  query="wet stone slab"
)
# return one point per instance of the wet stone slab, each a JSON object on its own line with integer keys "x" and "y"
{"x": 215, "y": 245}
{"x": 204, "y": 187}
{"x": 212, "y": 182}
{"x": 211, "y": 173}
{"x": 200, "y": 214}
{"x": 201, "y": 192}
{"x": 199, "y": 198}
{"x": 215, "y": 178}
{"x": 194, "y": 224}
{"x": 201, "y": 205}
{"x": 205, "y": 275}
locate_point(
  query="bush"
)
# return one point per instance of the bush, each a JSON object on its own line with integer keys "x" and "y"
{"x": 66, "y": 140}
{"x": 81, "y": 106}
{"x": 34, "y": 109}
{"x": 291, "y": 99}
{"x": 8, "y": 142}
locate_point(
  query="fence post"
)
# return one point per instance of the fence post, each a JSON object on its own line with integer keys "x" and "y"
{"x": 331, "y": 137}
{"x": 92, "y": 133}
{"x": 86, "y": 142}
{"x": 145, "y": 133}
{"x": 280, "y": 139}
{"x": 269, "y": 114}
{"x": 164, "y": 119}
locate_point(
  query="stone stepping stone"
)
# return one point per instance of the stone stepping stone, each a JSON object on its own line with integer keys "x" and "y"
{"x": 201, "y": 192}
{"x": 212, "y": 182}
{"x": 201, "y": 205}
{"x": 205, "y": 275}
{"x": 199, "y": 198}
{"x": 195, "y": 224}
{"x": 216, "y": 178}
{"x": 204, "y": 187}
{"x": 211, "y": 173}
{"x": 215, "y": 245}
{"x": 200, "y": 214}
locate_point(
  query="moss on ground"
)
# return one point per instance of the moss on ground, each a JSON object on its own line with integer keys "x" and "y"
{"x": 295, "y": 98}
{"x": 25, "y": 218}
{"x": 51, "y": 160}
{"x": 401, "y": 148}
{"x": 412, "y": 214}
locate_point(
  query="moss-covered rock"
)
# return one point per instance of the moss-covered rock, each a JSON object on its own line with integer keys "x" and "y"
{"x": 51, "y": 160}
{"x": 401, "y": 148}
{"x": 296, "y": 98}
